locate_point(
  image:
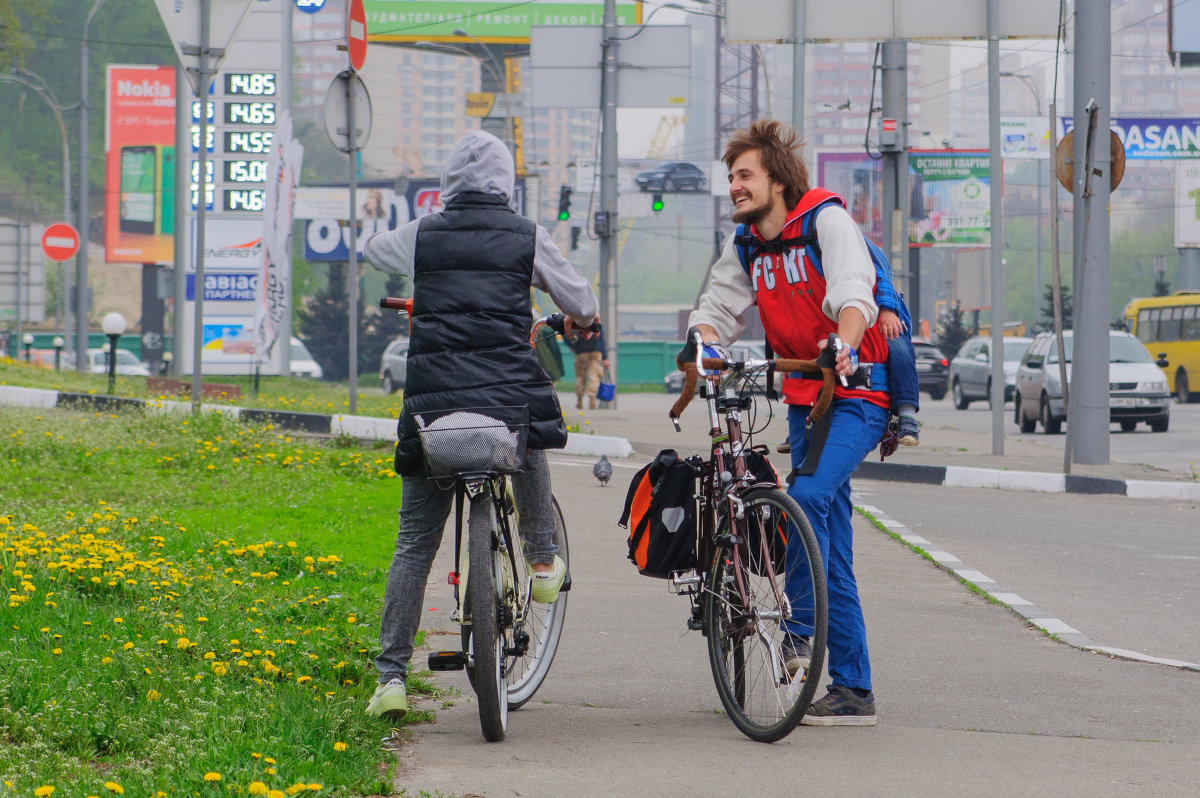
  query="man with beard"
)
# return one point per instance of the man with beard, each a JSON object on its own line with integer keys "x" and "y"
{"x": 802, "y": 298}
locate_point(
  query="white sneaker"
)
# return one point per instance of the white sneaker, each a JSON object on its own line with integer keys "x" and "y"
{"x": 390, "y": 701}
{"x": 547, "y": 584}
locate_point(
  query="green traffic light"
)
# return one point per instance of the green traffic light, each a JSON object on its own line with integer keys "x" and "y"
{"x": 656, "y": 203}
{"x": 564, "y": 215}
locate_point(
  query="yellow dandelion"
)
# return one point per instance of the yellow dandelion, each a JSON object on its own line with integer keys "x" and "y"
{"x": 117, "y": 788}
{"x": 339, "y": 746}
{"x": 351, "y": 619}
{"x": 269, "y": 761}
{"x": 153, "y": 695}
{"x": 257, "y": 788}
{"x": 182, "y": 643}
{"x": 212, "y": 776}
{"x": 106, "y": 660}
{"x": 56, "y": 651}
{"x": 275, "y": 794}
{"x": 314, "y": 787}
{"x": 118, "y": 620}
{"x": 44, "y": 790}
{"x": 127, "y": 646}
{"x": 210, "y": 655}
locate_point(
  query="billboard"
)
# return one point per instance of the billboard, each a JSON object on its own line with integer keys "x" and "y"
{"x": 493, "y": 21}
{"x": 857, "y": 178}
{"x": 951, "y": 192}
{"x": 1187, "y": 205}
{"x": 1153, "y": 138}
{"x": 139, "y": 197}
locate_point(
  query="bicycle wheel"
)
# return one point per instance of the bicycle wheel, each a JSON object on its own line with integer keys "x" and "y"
{"x": 486, "y": 648}
{"x": 538, "y": 634}
{"x": 746, "y": 606}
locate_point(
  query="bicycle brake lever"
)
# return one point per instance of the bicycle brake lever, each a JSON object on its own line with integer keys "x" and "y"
{"x": 674, "y": 420}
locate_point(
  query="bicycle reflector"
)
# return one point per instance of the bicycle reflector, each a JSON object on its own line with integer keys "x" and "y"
{"x": 564, "y": 203}
{"x": 656, "y": 201}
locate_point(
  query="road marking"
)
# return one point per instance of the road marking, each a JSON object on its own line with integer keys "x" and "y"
{"x": 1061, "y": 630}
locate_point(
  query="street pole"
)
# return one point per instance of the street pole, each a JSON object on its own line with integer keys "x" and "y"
{"x": 352, "y": 277}
{"x": 893, "y": 146}
{"x": 285, "y": 103}
{"x": 996, "y": 184}
{"x": 201, "y": 202}
{"x": 1089, "y": 376}
{"x": 608, "y": 184}
{"x": 81, "y": 261}
{"x": 183, "y": 143}
{"x": 799, "y": 34}
{"x": 1037, "y": 104}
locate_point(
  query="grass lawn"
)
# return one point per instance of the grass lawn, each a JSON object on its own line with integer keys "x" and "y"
{"x": 192, "y": 605}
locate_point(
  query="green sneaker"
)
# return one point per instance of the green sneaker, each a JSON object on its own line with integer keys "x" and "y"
{"x": 390, "y": 701}
{"x": 546, "y": 585}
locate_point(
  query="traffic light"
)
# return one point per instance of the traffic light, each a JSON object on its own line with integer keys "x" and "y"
{"x": 656, "y": 203}
{"x": 564, "y": 203}
{"x": 575, "y": 231}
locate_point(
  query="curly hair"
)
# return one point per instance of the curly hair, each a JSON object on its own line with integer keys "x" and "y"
{"x": 776, "y": 144}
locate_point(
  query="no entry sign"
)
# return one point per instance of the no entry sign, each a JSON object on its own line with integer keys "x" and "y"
{"x": 356, "y": 35}
{"x": 60, "y": 242}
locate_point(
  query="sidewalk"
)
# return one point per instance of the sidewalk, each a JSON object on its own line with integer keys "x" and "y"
{"x": 946, "y": 456}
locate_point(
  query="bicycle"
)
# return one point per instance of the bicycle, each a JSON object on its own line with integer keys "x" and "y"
{"x": 758, "y": 562}
{"x": 508, "y": 641}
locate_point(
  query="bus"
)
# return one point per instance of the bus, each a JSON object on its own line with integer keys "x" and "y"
{"x": 1169, "y": 326}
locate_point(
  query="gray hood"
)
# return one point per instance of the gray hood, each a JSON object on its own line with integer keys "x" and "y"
{"x": 481, "y": 163}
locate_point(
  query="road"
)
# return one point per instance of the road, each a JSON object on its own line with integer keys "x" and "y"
{"x": 1177, "y": 450}
{"x": 971, "y": 698}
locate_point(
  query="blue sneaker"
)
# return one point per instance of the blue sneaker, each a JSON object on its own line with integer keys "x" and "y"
{"x": 909, "y": 432}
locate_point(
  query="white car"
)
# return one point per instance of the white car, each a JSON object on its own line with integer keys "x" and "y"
{"x": 128, "y": 364}
{"x": 393, "y": 366}
{"x": 302, "y": 363}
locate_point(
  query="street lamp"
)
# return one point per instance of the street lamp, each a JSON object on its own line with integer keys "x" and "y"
{"x": 58, "y": 348}
{"x": 27, "y": 339}
{"x": 166, "y": 358}
{"x": 1037, "y": 101}
{"x": 113, "y": 326}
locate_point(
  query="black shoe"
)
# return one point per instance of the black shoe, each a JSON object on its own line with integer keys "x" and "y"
{"x": 841, "y": 707}
{"x": 797, "y": 654}
{"x": 784, "y": 448}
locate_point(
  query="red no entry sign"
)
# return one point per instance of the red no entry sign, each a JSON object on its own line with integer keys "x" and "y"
{"x": 60, "y": 241}
{"x": 356, "y": 35}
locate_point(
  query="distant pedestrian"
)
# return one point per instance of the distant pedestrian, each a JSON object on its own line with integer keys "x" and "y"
{"x": 591, "y": 358}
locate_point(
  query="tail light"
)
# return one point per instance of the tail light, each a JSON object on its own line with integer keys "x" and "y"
{"x": 945, "y": 362}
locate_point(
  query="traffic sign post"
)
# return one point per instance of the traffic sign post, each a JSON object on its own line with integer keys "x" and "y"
{"x": 356, "y": 34}
{"x": 60, "y": 242}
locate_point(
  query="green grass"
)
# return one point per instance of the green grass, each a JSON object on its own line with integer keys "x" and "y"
{"x": 188, "y": 596}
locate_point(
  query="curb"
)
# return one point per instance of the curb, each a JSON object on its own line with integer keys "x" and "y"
{"x": 1030, "y": 481}
{"x": 362, "y": 427}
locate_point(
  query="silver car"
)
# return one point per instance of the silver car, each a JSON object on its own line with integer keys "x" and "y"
{"x": 393, "y": 366}
{"x": 971, "y": 369}
{"x": 1137, "y": 387}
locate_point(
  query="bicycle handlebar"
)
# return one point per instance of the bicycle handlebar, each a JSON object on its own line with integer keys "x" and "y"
{"x": 557, "y": 322}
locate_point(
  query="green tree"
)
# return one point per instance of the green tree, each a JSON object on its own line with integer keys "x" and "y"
{"x": 324, "y": 322}
{"x": 1161, "y": 286}
{"x": 1068, "y": 305}
{"x": 954, "y": 332}
{"x": 21, "y": 25}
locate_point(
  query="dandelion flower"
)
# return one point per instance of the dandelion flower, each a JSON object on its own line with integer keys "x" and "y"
{"x": 212, "y": 776}
{"x": 153, "y": 695}
{"x": 44, "y": 790}
{"x": 117, "y": 788}
{"x": 339, "y": 746}
{"x": 257, "y": 788}
{"x": 182, "y": 643}
{"x": 314, "y": 787}
{"x": 127, "y": 646}
{"x": 275, "y": 794}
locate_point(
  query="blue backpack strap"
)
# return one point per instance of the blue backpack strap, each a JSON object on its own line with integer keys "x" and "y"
{"x": 808, "y": 234}
{"x": 742, "y": 241}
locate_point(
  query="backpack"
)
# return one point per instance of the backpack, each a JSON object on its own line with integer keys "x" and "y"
{"x": 660, "y": 514}
{"x": 764, "y": 471}
{"x": 743, "y": 242}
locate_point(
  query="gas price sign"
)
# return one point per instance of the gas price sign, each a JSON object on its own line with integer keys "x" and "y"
{"x": 247, "y": 113}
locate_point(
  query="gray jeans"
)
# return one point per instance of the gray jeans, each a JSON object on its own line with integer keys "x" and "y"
{"x": 424, "y": 507}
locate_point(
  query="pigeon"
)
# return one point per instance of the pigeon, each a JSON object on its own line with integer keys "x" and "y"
{"x": 603, "y": 470}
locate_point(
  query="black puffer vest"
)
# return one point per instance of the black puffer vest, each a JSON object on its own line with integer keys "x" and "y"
{"x": 471, "y": 318}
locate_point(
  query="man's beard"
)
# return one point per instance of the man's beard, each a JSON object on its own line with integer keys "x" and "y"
{"x": 751, "y": 215}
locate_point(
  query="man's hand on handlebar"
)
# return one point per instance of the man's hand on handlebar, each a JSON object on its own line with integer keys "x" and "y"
{"x": 845, "y": 358}
{"x": 570, "y": 328}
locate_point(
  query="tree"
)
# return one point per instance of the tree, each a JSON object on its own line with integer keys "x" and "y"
{"x": 1048, "y": 308}
{"x": 1161, "y": 286}
{"x": 21, "y": 24}
{"x": 954, "y": 332}
{"x": 324, "y": 322}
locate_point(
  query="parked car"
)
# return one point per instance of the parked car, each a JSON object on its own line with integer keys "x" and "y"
{"x": 1137, "y": 388}
{"x": 932, "y": 369}
{"x": 672, "y": 176}
{"x": 393, "y": 366}
{"x": 673, "y": 382}
{"x": 302, "y": 363}
{"x": 128, "y": 364}
{"x": 971, "y": 369}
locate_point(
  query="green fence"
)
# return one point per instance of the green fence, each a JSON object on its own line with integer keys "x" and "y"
{"x": 639, "y": 361}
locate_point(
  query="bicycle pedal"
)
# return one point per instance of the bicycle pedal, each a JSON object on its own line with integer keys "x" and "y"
{"x": 695, "y": 624}
{"x": 447, "y": 661}
{"x": 566, "y": 585}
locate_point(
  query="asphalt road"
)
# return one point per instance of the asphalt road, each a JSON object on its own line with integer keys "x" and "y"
{"x": 1177, "y": 450}
{"x": 971, "y": 698}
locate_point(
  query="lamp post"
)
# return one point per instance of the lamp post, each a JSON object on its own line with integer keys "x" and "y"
{"x": 113, "y": 326}
{"x": 167, "y": 357}
{"x": 27, "y": 339}
{"x": 1037, "y": 101}
{"x": 58, "y": 348}
{"x": 81, "y": 259}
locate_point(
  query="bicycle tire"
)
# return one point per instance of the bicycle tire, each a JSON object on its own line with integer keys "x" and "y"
{"x": 487, "y": 637}
{"x": 745, "y": 644}
{"x": 543, "y": 623}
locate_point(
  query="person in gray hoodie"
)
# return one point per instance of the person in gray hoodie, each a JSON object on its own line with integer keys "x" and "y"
{"x": 472, "y": 265}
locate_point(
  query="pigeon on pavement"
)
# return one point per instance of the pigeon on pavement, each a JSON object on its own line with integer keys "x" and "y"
{"x": 602, "y": 470}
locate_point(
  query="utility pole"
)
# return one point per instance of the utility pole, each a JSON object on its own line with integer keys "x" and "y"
{"x": 284, "y": 339}
{"x": 606, "y": 225}
{"x": 81, "y": 262}
{"x": 894, "y": 146}
{"x": 205, "y": 76}
{"x": 996, "y": 184}
{"x": 1089, "y": 411}
{"x": 799, "y": 34}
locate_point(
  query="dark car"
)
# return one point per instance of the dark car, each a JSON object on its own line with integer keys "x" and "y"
{"x": 672, "y": 176}
{"x": 933, "y": 369}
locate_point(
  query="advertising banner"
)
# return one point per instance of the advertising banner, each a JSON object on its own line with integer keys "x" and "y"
{"x": 381, "y": 208}
{"x": 275, "y": 278}
{"x": 495, "y": 21}
{"x": 1187, "y": 205}
{"x": 1154, "y": 138}
{"x": 951, "y": 198}
{"x": 858, "y": 179}
{"x": 1025, "y": 137}
{"x": 139, "y": 207}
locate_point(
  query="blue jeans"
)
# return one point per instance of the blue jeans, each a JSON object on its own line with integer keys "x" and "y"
{"x": 424, "y": 507}
{"x": 902, "y": 372}
{"x": 855, "y": 429}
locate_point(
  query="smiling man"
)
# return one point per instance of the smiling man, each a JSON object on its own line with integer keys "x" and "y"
{"x": 803, "y": 294}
